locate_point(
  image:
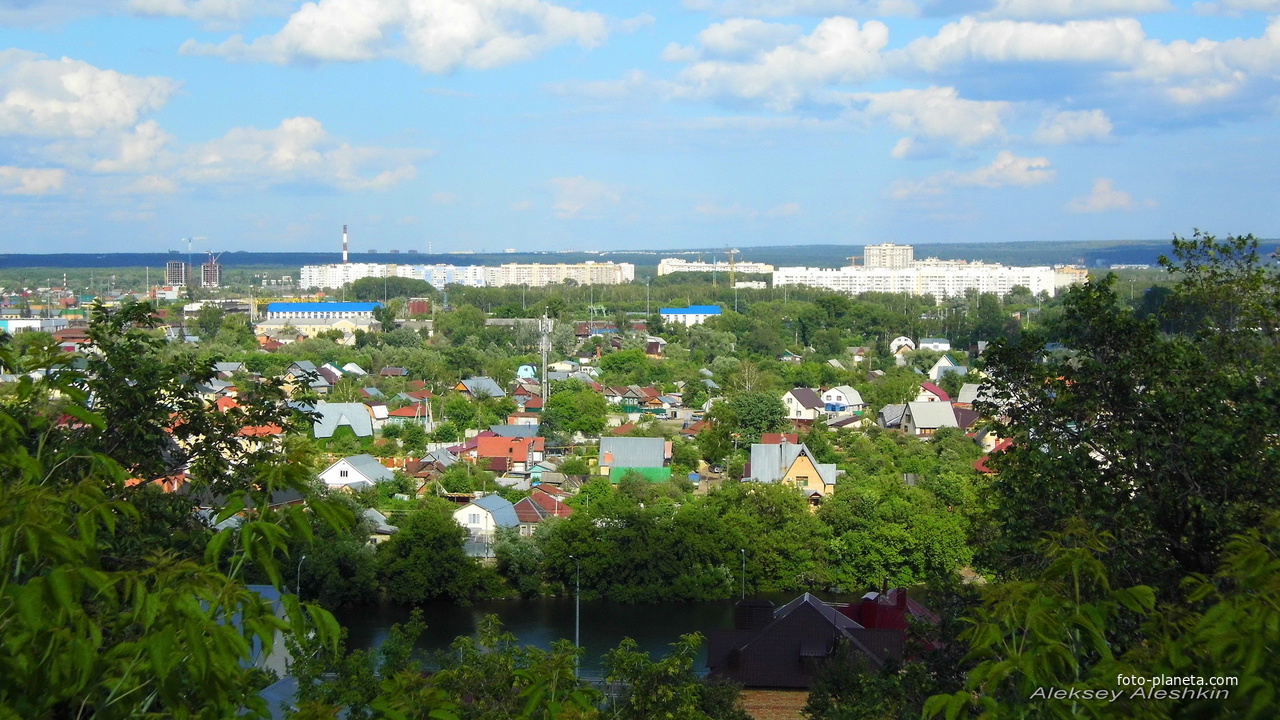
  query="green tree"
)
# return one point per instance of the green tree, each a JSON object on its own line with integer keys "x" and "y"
{"x": 426, "y": 560}
{"x": 574, "y": 408}
{"x": 756, "y": 413}
{"x": 668, "y": 687}
{"x": 106, "y": 608}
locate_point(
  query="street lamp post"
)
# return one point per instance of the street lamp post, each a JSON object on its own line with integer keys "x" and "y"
{"x": 297, "y": 578}
{"x": 744, "y": 572}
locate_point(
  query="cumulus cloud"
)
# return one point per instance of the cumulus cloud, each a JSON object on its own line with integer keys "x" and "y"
{"x": 1117, "y": 42}
{"x": 299, "y": 150}
{"x": 1104, "y": 198}
{"x": 137, "y": 150}
{"x": 71, "y": 98}
{"x": 438, "y": 36}
{"x": 30, "y": 181}
{"x": 934, "y": 113}
{"x": 581, "y": 197}
{"x": 1007, "y": 169}
{"x": 819, "y": 8}
{"x": 1072, "y": 126}
{"x": 763, "y": 67}
{"x": 1062, "y": 9}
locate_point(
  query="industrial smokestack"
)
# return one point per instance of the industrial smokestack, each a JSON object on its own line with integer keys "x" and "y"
{"x": 344, "y": 244}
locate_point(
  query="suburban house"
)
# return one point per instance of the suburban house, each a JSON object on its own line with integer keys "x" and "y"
{"x": 936, "y": 344}
{"x": 945, "y": 365}
{"x": 356, "y": 416}
{"x": 923, "y": 419}
{"x": 304, "y": 373}
{"x": 900, "y": 345}
{"x": 786, "y": 647}
{"x": 480, "y": 387}
{"x": 690, "y": 316}
{"x": 358, "y": 472}
{"x": 792, "y": 464}
{"x": 803, "y": 404}
{"x": 968, "y": 393}
{"x": 843, "y": 398}
{"x": 541, "y": 504}
{"x": 932, "y": 393}
{"x": 509, "y": 454}
{"x": 647, "y": 456}
{"x": 483, "y": 516}
{"x": 890, "y": 416}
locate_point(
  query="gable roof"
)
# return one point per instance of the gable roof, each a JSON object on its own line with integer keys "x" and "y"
{"x": 368, "y": 466}
{"x": 850, "y": 393}
{"x": 807, "y": 398}
{"x": 931, "y": 414}
{"x": 891, "y": 415}
{"x": 356, "y": 416}
{"x": 514, "y": 449}
{"x": 968, "y": 393}
{"x": 514, "y": 431}
{"x": 691, "y": 310}
{"x": 481, "y": 386}
{"x": 504, "y": 513}
{"x": 934, "y": 389}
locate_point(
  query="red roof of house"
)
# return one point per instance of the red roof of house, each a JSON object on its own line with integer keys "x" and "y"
{"x": 418, "y": 384}
{"x": 981, "y": 463}
{"x": 552, "y": 504}
{"x": 534, "y": 402}
{"x": 624, "y": 428}
{"x": 527, "y": 511}
{"x": 777, "y": 438}
{"x": 515, "y": 449}
{"x": 695, "y": 428}
{"x": 408, "y": 411}
{"x": 942, "y": 394}
{"x": 419, "y": 394}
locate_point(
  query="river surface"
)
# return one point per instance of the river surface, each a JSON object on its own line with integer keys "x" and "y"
{"x": 542, "y": 621}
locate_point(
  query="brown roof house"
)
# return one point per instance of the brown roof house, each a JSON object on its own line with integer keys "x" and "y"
{"x": 786, "y": 647}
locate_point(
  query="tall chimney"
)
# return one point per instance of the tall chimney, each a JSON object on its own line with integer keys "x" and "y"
{"x": 344, "y": 244}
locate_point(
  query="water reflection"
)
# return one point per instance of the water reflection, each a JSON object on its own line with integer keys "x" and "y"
{"x": 542, "y": 621}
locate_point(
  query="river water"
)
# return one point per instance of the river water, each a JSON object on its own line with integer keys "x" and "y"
{"x": 542, "y": 621}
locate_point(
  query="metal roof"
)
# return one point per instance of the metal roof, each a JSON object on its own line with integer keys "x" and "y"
{"x": 931, "y": 414}
{"x": 504, "y": 513}
{"x": 334, "y": 415}
{"x": 323, "y": 307}
{"x": 481, "y": 386}
{"x": 632, "y": 452}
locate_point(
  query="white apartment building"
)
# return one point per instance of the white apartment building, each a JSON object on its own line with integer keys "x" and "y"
{"x": 938, "y": 278}
{"x": 888, "y": 255}
{"x": 666, "y": 266}
{"x": 531, "y": 274}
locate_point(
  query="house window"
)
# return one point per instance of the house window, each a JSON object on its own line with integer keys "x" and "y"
{"x": 342, "y": 473}
{"x": 802, "y": 480}
{"x": 473, "y": 519}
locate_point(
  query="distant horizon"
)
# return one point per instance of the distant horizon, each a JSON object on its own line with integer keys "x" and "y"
{"x": 133, "y": 125}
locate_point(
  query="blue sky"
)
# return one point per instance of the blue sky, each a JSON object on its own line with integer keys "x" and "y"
{"x": 127, "y": 125}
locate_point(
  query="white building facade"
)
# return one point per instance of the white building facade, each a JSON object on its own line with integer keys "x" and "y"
{"x": 666, "y": 266}
{"x": 531, "y": 274}
{"x": 941, "y": 279}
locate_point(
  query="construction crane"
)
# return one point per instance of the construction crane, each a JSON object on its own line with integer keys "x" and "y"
{"x": 853, "y": 260}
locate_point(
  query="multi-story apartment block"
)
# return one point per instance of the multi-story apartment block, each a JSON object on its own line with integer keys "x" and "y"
{"x": 888, "y": 255}
{"x": 531, "y": 274}
{"x": 666, "y": 266}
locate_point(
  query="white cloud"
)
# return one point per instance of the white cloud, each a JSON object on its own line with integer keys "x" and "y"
{"x": 819, "y": 8}
{"x": 742, "y": 38}
{"x": 137, "y": 150}
{"x": 444, "y": 198}
{"x": 1118, "y": 42}
{"x": 438, "y": 36}
{"x": 838, "y": 51}
{"x": 152, "y": 185}
{"x": 581, "y": 197}
{"x": 1007, "y": 169}
{"x": 1072, "y": 126}
{"x": 935, "y": 113}
{"x": 1103, "y": 198}
{"x": 299, "y": 150}
{"x": 71, "y": 98}
{"x": 30, "y": 181}
{"x": 1061, "y": 9}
